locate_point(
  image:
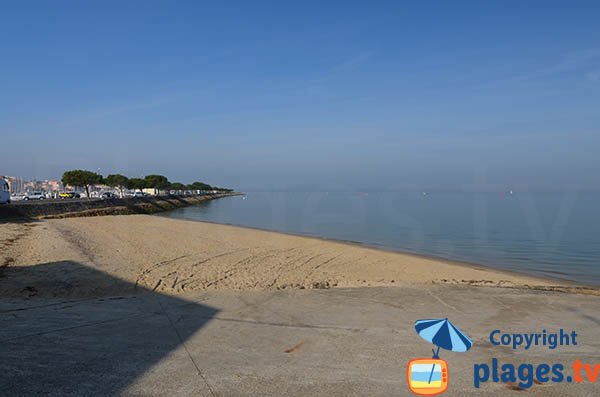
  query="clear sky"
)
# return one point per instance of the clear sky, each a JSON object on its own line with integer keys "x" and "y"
{"x": 289, "y": 95}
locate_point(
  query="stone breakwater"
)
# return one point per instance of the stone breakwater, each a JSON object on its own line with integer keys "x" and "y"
{"x": 78, "y": 208}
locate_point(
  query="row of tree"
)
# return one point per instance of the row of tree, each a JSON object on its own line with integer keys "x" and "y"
{"x": 86, "y": 179}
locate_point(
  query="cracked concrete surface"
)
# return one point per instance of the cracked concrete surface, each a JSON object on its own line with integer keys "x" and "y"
{"x": 337, "y": 342}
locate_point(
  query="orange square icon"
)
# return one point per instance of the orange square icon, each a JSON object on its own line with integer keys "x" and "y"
{"x": 427, "y": 376}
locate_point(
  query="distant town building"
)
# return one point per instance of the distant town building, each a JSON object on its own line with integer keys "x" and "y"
{"x": 18, "y": 185}
{"x": 47, "y": 185}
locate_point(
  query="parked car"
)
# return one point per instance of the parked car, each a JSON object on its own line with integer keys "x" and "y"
{"x": 34, "y": 196}
{"x": 69, "y": 195}
{"x": 17, "y": 197}
{"x": 140, "y": 194}
{"x": 107, "y": 196}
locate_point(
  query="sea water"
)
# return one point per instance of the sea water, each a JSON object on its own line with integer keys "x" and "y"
{"x": 548, "y": 234}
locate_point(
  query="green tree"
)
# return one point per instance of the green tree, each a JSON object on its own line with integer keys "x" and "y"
{"x": 117, "y": 181}
{"x": 177, "y": 186}
{"x": 81, "y": 178}
{"x": 136, "y": 184}
{"x": 200, "y": 186}
{"x": 157, "y": 182}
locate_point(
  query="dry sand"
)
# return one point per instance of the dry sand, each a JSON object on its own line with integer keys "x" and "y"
{"x": 44, "y": 258}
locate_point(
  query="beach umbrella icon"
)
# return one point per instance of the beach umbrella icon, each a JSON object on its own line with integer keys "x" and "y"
{"x": 443, "y": 334}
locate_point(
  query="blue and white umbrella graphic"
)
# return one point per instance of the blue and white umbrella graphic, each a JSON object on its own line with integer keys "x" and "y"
{"x": 442, "y": 333}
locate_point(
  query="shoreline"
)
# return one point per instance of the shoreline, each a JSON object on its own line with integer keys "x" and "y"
{"x": 383, "y": 248}
{"x": 72, "y": 257}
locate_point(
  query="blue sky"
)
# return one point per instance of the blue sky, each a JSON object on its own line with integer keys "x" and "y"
{"x": 267, "y": 95}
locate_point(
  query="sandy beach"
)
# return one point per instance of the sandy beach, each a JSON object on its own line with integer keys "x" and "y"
{"x": 179, "y": 257}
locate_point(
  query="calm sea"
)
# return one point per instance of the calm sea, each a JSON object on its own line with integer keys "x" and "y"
{"x": 548, "y": 234}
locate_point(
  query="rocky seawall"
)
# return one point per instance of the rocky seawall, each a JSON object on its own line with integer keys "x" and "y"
{"x": 78, "y": 208}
